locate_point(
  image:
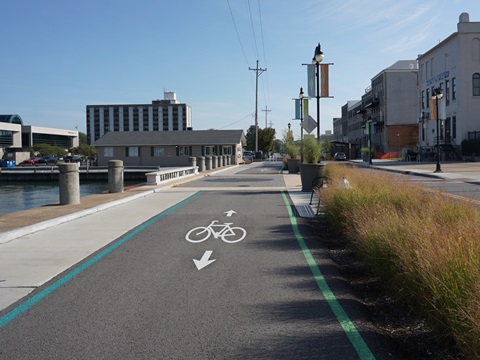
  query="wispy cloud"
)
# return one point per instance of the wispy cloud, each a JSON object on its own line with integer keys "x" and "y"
{"x": 401, "y": 26}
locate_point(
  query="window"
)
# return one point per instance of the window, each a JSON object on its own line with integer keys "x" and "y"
{"x": 476, "y": 84}
{"x": 454, "y": 89}
{"x": 423, "y": 99}
{"x": 226, "y": 150}
{"x": 132, "y": 151}
{"x": 157, "y": 151}
{"x": 447, "y": 92}
{"x": 209, "y": 150}
{"x": 183, "y": 150}
{"x": 108, "y": 151}
{"x": 428, "y": 98}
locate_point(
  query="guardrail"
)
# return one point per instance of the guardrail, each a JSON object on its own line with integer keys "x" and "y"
{"x": 163, "y": 176}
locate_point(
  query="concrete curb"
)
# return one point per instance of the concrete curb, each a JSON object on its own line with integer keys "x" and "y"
{"x": 13, "y": 234}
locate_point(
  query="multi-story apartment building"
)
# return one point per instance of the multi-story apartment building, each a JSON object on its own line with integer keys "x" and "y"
{"x": 161, "y": 115}
{"x": 453, "y": 67}
{"x": 391, "y": 102}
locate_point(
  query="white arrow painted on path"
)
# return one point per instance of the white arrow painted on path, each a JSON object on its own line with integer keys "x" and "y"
{"x": 200, "y": 264}
{"x": 230, "y": 213}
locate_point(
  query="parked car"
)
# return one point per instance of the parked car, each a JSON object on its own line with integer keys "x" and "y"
{"x": 52, "y": 159}
{"x": 30, "y": 161}
{"x": 74, "y": 159}
{"x": 340, "y": 156}
{"x": 248, "y": 156}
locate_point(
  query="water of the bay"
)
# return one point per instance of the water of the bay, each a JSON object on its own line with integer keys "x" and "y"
{"x": 17, "y": 196}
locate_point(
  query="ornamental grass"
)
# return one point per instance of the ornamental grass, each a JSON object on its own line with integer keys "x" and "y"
{"x": 423, "y": 245}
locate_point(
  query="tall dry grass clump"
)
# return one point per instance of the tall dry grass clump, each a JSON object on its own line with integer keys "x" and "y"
{"x": 424, "y": 246}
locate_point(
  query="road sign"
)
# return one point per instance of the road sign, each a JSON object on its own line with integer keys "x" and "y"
{"x": 309, "y": 124}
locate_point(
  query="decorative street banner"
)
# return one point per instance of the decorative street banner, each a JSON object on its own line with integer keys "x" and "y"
{"x": 297, "y": 109}
{"x": 324, "y": 87}
{"x": 369, "y": 127}
{"x": 305, "y": 109}
{"x": 433, "y": 109}
{"x": 441, "y": 109}
{"x": 311, "y": 80}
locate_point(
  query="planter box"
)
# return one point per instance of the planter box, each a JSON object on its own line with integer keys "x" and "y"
{"x": 309, "y": 172}
{"x": 293, "y": 166}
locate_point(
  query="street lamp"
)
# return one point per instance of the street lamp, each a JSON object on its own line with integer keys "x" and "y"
{"x": 398, "y": 142}
{"x": 300, "y": 96}
{"x": 317, "y": 59}
{"x": 437, "y": 94}
{"x": 369, "y": 124}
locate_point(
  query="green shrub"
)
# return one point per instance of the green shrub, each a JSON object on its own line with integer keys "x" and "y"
{"x": 423, "y": 245}
{"x": 311, "y": 150}
{"x": 291, "y": 149}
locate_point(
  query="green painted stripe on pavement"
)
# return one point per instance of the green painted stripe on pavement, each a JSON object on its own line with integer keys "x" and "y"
{"x": 348, "y": 327}
{"x": 4, "y": 320}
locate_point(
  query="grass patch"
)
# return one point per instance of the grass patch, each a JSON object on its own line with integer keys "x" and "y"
{"x": 424, "y": 247}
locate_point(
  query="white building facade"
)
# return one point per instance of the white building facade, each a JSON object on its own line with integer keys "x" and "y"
{"x": 161, "y": 115}
{"x": 453, "y": 66}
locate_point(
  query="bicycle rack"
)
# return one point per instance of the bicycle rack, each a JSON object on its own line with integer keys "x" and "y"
{"x": 317, "y": 184}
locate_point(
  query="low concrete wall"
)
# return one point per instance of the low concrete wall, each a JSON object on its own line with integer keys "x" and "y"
{"x": 163, "y": 176}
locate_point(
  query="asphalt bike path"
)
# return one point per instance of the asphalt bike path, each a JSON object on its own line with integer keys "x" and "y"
{"x": 266, "y": 291}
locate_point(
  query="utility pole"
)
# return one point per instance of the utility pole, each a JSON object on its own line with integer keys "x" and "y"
{"x": 258, "y": 72}
{"x": 266, "y": 113}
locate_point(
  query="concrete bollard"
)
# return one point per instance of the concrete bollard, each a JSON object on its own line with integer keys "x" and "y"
{"x": 208, "y": 163}
{"x": 201, "y": 163}
{"x": 115, "y": 176}
{"x": 69, "y": 184}
{"x": 223, "y": 161}
{"x": 229, "y": 160}
{"x": 193, "y": 161}
{"x": 214, "y": 161}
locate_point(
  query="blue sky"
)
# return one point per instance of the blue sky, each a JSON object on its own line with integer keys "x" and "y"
{"x": 57, "y": 56}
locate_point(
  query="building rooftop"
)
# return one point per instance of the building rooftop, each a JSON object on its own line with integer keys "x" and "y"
{"x": 197, "y": 137}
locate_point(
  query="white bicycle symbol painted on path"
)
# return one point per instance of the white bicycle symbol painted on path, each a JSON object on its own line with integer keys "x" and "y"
{"x": 229, "y": 234}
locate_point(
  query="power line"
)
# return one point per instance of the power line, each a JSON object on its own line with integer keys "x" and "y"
{"x": 253, "y": 28}
{"x": 236, "y": 121}
{"x": 263, "y": 49}
{"x": 236, "y": 30}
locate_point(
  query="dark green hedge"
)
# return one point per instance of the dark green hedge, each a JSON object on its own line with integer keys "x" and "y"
{"x": 470, "y": 147}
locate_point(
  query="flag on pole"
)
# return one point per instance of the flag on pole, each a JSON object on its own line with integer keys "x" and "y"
{"x": 305, "y": 108}
{"x": 433, "y": 109}
{"x": 311, "y": 80}
{"x": 441, "y": 109}
{"x": 324, "y": 84}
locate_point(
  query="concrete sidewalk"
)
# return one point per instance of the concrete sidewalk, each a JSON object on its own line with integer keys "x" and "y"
{"x": 461, "y": 171}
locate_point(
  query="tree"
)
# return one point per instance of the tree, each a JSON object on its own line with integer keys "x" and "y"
{"x": 82, "y": 138}
{"x": 85, "y": 150}
{"x": 250, "y": 137}
{"x": 46, "y": 150}
{"x": 266, "y": 139}
{"x": 279, "y": 145}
